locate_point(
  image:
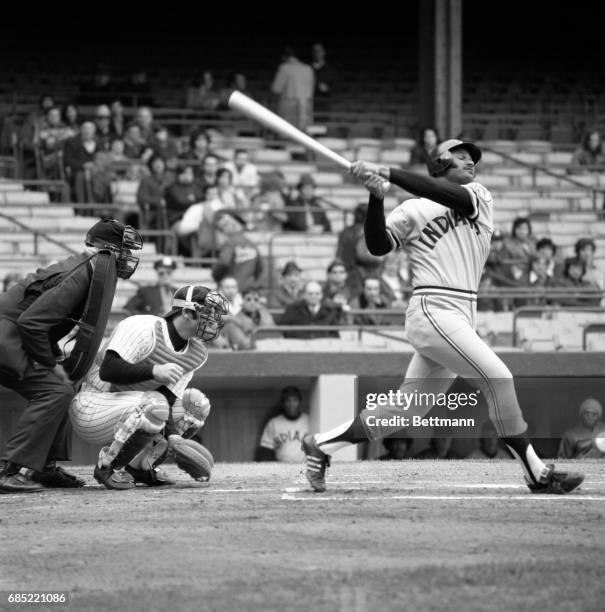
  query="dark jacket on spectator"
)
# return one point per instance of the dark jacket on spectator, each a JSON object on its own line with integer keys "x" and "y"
{"x": 148, "y": 300}
{"x": 75, "y": 155}
{"x": 239, "y": 258}
{"x": 297, "y": 221}
{"x": 299, "y": 314}
{"x": 238, "y": 329}
{"x": 360, "y": 303}
{"x": 179, "y": 198}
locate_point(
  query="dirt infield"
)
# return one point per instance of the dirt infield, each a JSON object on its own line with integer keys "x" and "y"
{"x": 411, "y": 535}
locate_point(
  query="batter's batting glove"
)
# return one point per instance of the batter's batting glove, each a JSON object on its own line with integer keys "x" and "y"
{"x": 363, "y": 169}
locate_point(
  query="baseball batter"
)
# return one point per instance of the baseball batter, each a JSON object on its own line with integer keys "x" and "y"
{"x": 135, "y": 397}
{"x": 446, "y": 231}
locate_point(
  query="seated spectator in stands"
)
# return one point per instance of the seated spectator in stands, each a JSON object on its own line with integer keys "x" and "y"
{"x": 335, "y": 289}
{"x": 229, "y": 288}
{"x": 199, "y": 147}
{"x": 489, "y": 445}
{"x": 520, "y": 246}
{"x": 10, "y": 280}
{"x": 536, "y": 276}
{"x": 585, "y": 250}
{"x": 155, "y": 299}
{"x": 202, "y": 93}
{"x": 208, "y": 171}
{"x": 426, "y": 142}
{"x": 325, "y": 78}
{"x": 29, "y": 130}
{"x": 135, "y": 146}
{"x": 578, "y": 442}
{"x": 573, "y": 278}
{"x": 397, "y": 448}
{"x": 274, "y": 195}
{"x": 246, "y": 180}
{"x": 117, "y": 123}
{"x": 546, "y": 250}
{"x": 238, "y": 256}
{"x": 163, "y": 144}
{"x": 313, "y": 218}
{"x": 289, "y": 286}
{"x": 282, "y": 435}
{"x": 372, "y": 299}
{"x": 395, "y": 279}
{"x": 293, "y": 86}
{"x": 590, "y": 152}
{"x": 497, "y": 273}
{"x": 109, "y": 166}
{"x": 225, "y": 189}
{"x": 311, "y": 310}
{"x": 144, "y": 119}
{"x": 78, "y": 156}
{"x": 440, "y": 446}
{"x": 150, "y": 194}
{"x": 50, "y": 137}
{"x": 103, "y": 125}
{"x": 179, "y": 196}
{"x": 139, "y": 87}
{"x": 71, "y": 117}
{"x": 239, "y": 328}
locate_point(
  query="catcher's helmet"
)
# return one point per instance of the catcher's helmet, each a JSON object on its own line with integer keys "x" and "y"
{"x": 120, "y": 239}
{"x": 209, "y": 307}
{"x": 440, "y": 158}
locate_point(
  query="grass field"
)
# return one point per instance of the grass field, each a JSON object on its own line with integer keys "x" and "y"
{"x": 414, "y": 535}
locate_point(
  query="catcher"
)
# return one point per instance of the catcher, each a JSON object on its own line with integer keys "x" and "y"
{"x": 135, "y": 398}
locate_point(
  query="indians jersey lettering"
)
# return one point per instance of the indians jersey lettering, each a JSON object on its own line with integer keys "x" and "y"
{"x": 145, "y": 338}
{"x": 446, "y": 248}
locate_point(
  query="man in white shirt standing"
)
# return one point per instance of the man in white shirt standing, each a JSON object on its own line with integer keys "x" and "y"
{"x": 283, "y": 434}
{"x": 294, "y": 83}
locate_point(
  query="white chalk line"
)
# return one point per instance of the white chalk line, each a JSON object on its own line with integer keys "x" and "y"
{"x": 320, "y": 497}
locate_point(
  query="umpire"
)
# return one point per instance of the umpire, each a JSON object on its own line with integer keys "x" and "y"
{"x": 34, "y": 315}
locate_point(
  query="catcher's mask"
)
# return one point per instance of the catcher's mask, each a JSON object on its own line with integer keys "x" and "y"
{"x": 208, "y": 306}
{"x": 120, "y": 239}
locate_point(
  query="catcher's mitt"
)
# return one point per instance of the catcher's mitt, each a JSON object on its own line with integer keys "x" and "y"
{"x": 192, "y": 457}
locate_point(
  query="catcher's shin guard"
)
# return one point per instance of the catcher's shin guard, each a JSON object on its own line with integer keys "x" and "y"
{"x": 131, "y": 448}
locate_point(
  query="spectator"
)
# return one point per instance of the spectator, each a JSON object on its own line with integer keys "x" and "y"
{"x": 31, "y": 127}
{"x": 293, "y": 84}
{"x": 226, "y": 191}
{"x": 150, "y": 194}
{"x": 546, "y": 250}
{"x": 229, "y": 288}
{"x": 202, "y": 93}
{"x": 573, "y": 278}
{"x": 395, "y": 279}
{"x": 139, "y": 88}
{"x": 371, "y": 299}
{"x": 144, "y": 119}
{"x": 209, "y": 170}
{"x": 311, "y": 310}
{"x": 489, "y": 445}
{"x": 313, "y": 218}
{"x": 289, "y": 288}
{"x": 206, "y": 236}
{"x": 245, "y": 177}
{"x": 238, "y": 256}
{"x": 235, "y": 82}
{"x": 103, "y": 127}
{"x": 440, "y": 446}
{"x": 274, "y": 196}
{"x": 585, "y": 250}
{"x": 426, "y": 142}
{"x": 397, "y": 448}
{"x": 578, "y": 442}
{"x": 520, "y": 247}
{"x": 71, "y": 117}
{"x": 239, "y": 328}
{"x": 324, "y": 78}
{"x": 50, "y": 138}
{"x": 179, "y": 196}
{"x": 135, "y": 146}
{"x": 109, "y": 166}
{"x": 497, "y": 273}
{"x": 155, "y": 299}
{"x": 117, "y": 123}
{"x": 199, "y": 147}
{"x": 536, "y": 276}
{"x": 163, "y": 144}
{"x": 590, "y": 152}
{"x": 78, "y": 157}
{"x": 335, "y": 289}
{"x": 282, "y": 436}
{"x": 10, "y": 280}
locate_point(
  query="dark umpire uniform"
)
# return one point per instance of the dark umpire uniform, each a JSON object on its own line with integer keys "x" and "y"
{"x": 34, "y": 315}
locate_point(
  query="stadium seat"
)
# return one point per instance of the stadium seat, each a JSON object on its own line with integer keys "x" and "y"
{"x": 328, "y": 179}
{"x": 398, "y": 157}
{"x": 24, "y": 197}
{"x": 270, "y": 156}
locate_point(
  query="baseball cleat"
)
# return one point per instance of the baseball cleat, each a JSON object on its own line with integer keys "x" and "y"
{"x": 56, "y": 477}
{"x": 19, "y": 482}
{"x": 316, "y": 463}
{"x": 113, "y": 479}
{"x": 152, "y": 478}
{"x": 556, "y": 483}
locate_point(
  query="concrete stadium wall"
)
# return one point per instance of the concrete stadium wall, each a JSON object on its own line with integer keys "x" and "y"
{"x": 244, "y": 388}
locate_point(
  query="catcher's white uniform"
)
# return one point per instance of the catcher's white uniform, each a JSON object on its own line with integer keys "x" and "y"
{"x": 100, "y": 406}
{"x": 447, "y": 253}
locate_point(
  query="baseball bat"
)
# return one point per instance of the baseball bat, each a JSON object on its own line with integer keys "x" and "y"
{"x": 269, "y": 119}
